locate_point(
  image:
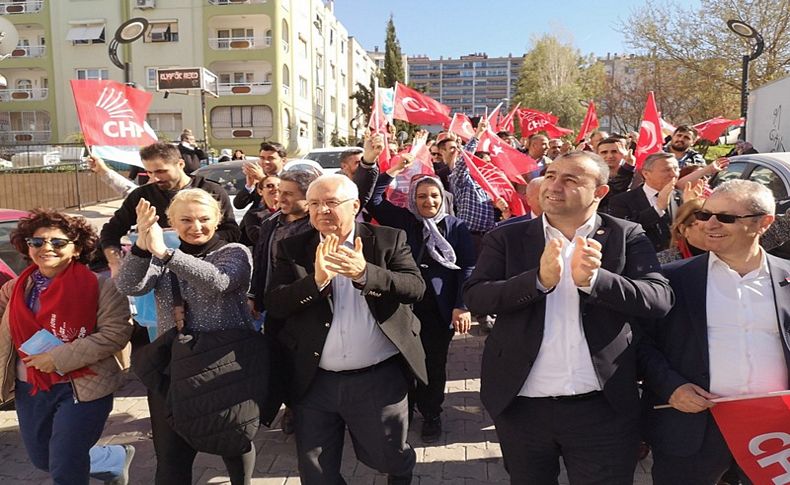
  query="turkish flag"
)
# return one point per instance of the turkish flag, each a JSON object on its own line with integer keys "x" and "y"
{"x": 111, "y": 113}
{"x": 511, "y": 161}
{"x": 712, "y": 129}
{"x": 533, "y": 121}
{"x": 418, "y": 108}
{"x": 506, "y": 123}
{"x": 650, "y": 138}
{"x": 589, "y": 124}
{"x": 461, "y": 126}
{"x": 399, "y": 193}
{"x": 493, "y": 118}
{"x": 494, "y": 182}
{"x": 757, "y": 431}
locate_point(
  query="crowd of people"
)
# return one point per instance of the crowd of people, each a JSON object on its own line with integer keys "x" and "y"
{"x": 359, "y": 294}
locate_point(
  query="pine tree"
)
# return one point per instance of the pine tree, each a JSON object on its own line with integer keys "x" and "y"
{"x": 393, "y": 60}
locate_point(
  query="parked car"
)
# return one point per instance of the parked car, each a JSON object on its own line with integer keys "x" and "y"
{"x": 230, "y": 177}
{"x": 11, "y": 262}
{"x": 769, "y": 169}
{"x": 329, "y": 158}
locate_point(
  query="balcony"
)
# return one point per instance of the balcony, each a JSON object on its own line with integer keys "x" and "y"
{"x": 245, "y": 88}
{"x": 12, "y": 7}
{"x": 29, "y": 51}
{"x": 245, "y": 42}
{"x": 16, "y": 94}
{"x": 25, "y": 136}
{"x": 235, "y": 2}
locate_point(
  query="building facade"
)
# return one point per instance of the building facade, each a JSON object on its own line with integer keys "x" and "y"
{"x": 472, "y": 84}
{"x": 285, "y": 68}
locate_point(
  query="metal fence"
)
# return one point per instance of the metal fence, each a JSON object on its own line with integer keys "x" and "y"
{"x": 48, "y": 176}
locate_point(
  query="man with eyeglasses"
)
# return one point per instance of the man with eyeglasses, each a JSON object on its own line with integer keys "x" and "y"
{"x": 724, "y": 336}
{"x": 344, "y": 290}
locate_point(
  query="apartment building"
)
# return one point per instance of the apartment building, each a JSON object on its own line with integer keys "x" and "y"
{"x": 471, "y": 84}
{"x": 286, "y": 68}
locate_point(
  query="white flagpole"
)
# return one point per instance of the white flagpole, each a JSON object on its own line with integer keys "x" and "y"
{"x": 739, "y": 397}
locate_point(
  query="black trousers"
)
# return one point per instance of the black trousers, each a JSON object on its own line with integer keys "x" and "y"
{"x": 707, "y": 466}
{"x": 597, "y": 444}
{"x": 174, "y": 456}
{"x": 436, "y": 336}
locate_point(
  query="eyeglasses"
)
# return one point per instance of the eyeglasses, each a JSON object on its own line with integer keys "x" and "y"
{"x": 723, "y": 218}
{"x": 55, "y": 242}
{"x": 271, "y": 186}
{"x": 330, "y": 204}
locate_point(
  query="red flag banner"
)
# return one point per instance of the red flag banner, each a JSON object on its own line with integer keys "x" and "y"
{"x": 399, "y": 193}
{"x": 494, "y": 182}
{"x": 650, "y": 138}
{"x": 506, "y": 123}
{"x": 712, "y": 129}
{"x": 511, "y": 161}
{"x": 461, "y": 126}
{"x": 493, "y": 118}
{"x": 418, "y": 108}
{"x": 111, "y": 113}
{"x": 757, "y": 432}
{"x": 589, "y": 124}
{"x": 533, "y": 121}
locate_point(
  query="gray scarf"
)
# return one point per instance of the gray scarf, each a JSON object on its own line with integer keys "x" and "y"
{"x": 438, "y": 248}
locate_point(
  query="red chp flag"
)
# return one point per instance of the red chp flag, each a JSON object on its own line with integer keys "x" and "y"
{"x": 511, "y": 161}
{"x": 462, "y": 126}
{"x": 111, "y": 113}
{"x": 589, "y": 124}
{"x": 494, "y": 182}
{"x": 533, "y": 121}
{"x": 757, "y": 431}
{"x": 712, "y": 129}
{"x": 506, "y": 123}
{"x": 418, "y": 108}
{"x": 650, "y": 136}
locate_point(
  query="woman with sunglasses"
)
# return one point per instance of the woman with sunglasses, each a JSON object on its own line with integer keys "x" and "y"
{"x": 443, "y": 249}
{"x": 61, "y": 327}
{"x": 212, "y": 278}
{"x": 688, "y": 239}
{"x": 251, "y": 222}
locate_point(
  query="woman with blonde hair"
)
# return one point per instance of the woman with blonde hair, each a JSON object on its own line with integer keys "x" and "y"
{"x": 201, "y": 287}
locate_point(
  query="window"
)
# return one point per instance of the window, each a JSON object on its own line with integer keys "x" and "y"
{"x": 286, "y": 126}
{"x": 286, "y": 35}
{"x": 100, "y": 74}
{"x": 302, "y": 87}
{"x": 319, "y": 69}
{"x": 319, "y": 98}
{"x": 169, "y": 123}
{"x": 332, "y": 104}
{"x": 86, "y": 34}
{"x": 303, "y": 129}
{"x": 332, "y": 70}
{"x": 302, "y": 47}
{"x": 150, "y": 77}
{"x": 162, "y": 32}
{"x": 768, "y": 178}
{"x": 343, "y": 78}
{"x": 319, "y": 134}
{"x": 235, "y": 38}
{"x": 286, "y": 79}
{"x": 342, "y": 46}
{"x": 319, "y": 24}
{"x": 268, "y": 38}
{"x": 241, "y": 121}
{"x": 331, "y": 36}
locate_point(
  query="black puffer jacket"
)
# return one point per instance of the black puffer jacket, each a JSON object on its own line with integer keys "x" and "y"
{"x": 215, "y": 383}
{"x": 192, "y": 158}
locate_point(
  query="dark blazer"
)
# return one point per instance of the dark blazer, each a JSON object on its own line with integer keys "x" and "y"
{"x": 674, "y": 352}
{"x": 393, "y": 283}
{"x": 634, "y": 206}
{"x": 445, "y": 285}
{"x": 629, "y": 285}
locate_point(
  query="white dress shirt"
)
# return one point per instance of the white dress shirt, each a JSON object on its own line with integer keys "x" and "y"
{"x": 744, "y": 343}
{"x": 652, "y": 198}
{"x": 355, "y": 339}
{"x": 564, "y": 365}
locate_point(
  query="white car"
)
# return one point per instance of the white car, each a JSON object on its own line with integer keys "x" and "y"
{"x": 329, "y": 158}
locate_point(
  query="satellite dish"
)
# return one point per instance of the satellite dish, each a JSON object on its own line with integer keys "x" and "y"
{"x": 9, "y": 38}
{"x": 131, "y": 30}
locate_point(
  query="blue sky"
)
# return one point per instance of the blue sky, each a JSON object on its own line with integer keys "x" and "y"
{"x": 496, "y": 27}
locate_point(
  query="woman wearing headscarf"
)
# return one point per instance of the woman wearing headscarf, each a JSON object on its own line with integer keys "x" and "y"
{"x": 443, "y": 249}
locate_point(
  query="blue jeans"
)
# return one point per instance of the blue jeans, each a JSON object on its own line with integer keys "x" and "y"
{"x": 58, "y": 432}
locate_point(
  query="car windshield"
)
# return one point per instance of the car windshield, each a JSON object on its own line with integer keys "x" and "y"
{"x": 230, "y": 177}
{"x": 8, "y": 253}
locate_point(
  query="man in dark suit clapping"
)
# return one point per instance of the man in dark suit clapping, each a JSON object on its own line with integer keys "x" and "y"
{"x": 559, "y": 368}
{"x": 344, "y": 291}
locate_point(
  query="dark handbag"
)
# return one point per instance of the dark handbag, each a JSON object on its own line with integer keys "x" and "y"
{"x": 215, "y": 383}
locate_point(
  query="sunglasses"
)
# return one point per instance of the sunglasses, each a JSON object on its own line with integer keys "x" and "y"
{"x": 55, "y": 242}
{"x": 271, "y": 186}
{"x": 723, "y": 218}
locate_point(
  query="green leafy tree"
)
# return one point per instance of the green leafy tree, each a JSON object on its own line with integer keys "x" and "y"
{"x": 557, "y": 78}
{"x": 393, "y": 58}
{"x": 364, "y": 96}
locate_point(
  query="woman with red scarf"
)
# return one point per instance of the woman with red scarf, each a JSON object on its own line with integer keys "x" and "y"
{"x": 61, "y": 327}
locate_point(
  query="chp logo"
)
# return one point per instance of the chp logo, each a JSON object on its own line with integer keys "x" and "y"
{"x": 122, "y": 118}
{"x": 111, "y": 113}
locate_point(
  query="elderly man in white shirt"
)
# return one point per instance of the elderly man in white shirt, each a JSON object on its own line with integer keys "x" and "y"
{"x": 727, "y": 335}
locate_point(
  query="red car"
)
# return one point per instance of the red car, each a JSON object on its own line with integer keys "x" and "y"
{"x": 11, "y": 262}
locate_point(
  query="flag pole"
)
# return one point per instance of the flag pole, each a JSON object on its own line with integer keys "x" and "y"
{"x": 739, "y": 397}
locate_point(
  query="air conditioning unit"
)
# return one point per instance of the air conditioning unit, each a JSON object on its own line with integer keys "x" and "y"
{"x": 146, "y": 3}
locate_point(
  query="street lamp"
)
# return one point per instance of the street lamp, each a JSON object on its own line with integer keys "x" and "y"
{"x": 748, "y": 32}
{"x": 127, "y": 32}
